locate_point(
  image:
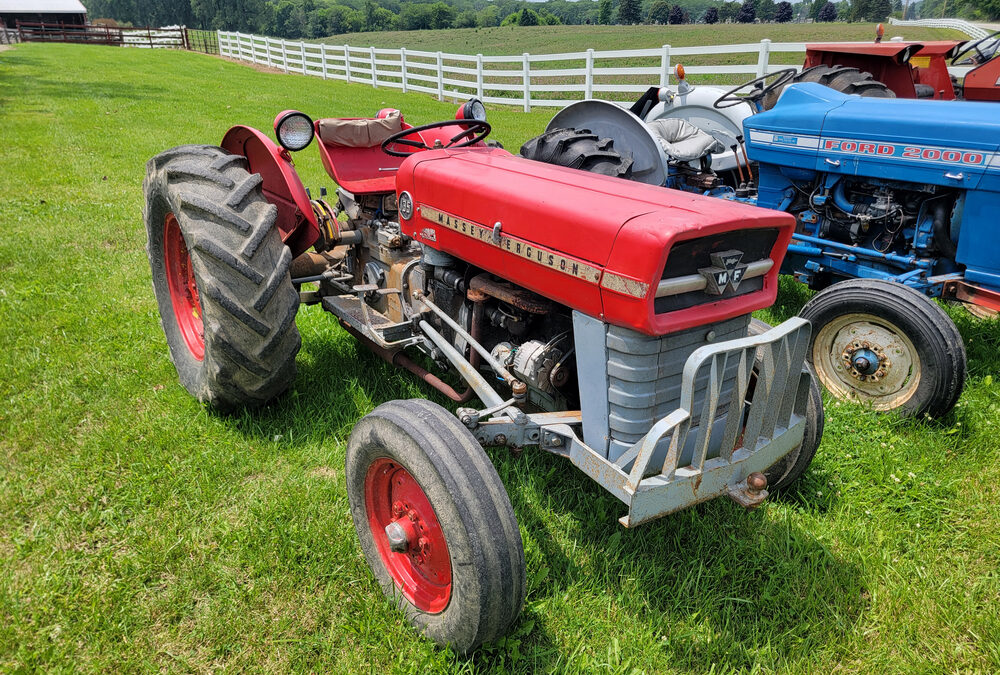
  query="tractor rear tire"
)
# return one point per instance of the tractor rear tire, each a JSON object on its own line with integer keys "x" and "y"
{"x": 792, "y": 466}
{"x": 913, "y": 352}
{"x": 220, "y": 276}
{"x": 458, "y": 573}
{"x": 843, "y": 79}
{"x": 578, "y": 149}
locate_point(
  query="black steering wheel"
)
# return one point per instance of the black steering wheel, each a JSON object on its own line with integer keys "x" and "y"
{"x": 757, "y": 88}
{"x": 981, "y": 56}
{"x": 474, "y": 132}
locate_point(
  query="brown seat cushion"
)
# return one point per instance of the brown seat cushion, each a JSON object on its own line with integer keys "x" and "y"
{"x": 359, "y": 133}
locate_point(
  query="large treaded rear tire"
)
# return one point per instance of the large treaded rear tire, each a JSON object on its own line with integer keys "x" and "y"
{"x": 578, "y": 149}
{"x": 241, "y": 269}
{"x": 840, "y": 78}
{"x": 462, "y": 496}
{"x": 926, "y": 357}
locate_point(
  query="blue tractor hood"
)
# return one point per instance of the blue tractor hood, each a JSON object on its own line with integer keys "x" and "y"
{"x": 947, "y": 143}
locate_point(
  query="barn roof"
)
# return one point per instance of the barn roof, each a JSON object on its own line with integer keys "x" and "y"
{"x": 42, "y": 7}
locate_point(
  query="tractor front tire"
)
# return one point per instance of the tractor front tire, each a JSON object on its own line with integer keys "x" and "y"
{"x": 456, "y": 566}
{"x": 578, "y": 149}
{"x": 220, "y": 276}
{"x": 790, "y": 468}
{"x": 886, "y": 345}
{"x": 841, "y": 78}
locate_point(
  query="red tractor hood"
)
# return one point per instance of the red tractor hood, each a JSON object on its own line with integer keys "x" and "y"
{"x": 594, "y": 243}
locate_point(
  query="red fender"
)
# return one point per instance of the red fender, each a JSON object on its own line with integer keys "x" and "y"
{"x": 281, "y": 185}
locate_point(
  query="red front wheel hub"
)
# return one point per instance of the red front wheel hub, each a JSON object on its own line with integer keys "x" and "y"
{"x": 183, "y": 288}
{"x": 408, "y": 535}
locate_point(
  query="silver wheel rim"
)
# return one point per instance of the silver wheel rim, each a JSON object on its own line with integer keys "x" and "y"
{"x": 896, "y": 376}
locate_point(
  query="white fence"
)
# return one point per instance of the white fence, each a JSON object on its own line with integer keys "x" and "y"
{"x": 973, "y": 31}
{"x": 548, "y": 80}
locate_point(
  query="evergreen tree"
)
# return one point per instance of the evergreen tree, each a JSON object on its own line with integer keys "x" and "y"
{"x": 629, "y": 12}
{"x": 747, "y": 13}
{"x": 604, "y": 12}
{"x": 711, "y": 15}
{"x": 527, "y": 18}
{"x": 827, "y": 13}
{"x": 783, "y": 12}
{"x": 676, "y": 15}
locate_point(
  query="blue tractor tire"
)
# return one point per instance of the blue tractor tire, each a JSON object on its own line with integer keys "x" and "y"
{"x": 886, "y": 345}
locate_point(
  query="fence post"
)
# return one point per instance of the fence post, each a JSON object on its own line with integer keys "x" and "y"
{"x": 479, "y": 76}
{"x": 347, "y": 61}
{"x": 765, "y": 51}
{"x": 284, "y": 55}
{"x": 588, "y": 86}
{"x": 322, "y": 56}
{"x": 665, "y": 66}
{"x": 402, "y": 66}
{"x": 302, "y": 44}
{"x": 440, "y": 65}
{"x": 374, "y": 73}
{"x": 527, "y": 82}
{"x": 218, "y": 40}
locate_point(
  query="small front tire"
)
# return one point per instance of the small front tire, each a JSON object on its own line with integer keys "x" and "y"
{"x": 435, "y": 523}
{"x": 886, "y": 345}
{"x": 792, "y": 466}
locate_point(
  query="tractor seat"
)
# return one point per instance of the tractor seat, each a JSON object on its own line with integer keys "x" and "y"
{"x": 359, "y": 133}
{"x": 683, "y": 141}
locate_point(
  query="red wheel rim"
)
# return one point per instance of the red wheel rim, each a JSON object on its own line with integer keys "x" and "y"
{"x": 183, "y": 289}
{"x": 422, "y": 571}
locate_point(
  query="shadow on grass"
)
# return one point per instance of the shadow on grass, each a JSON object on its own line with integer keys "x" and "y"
{"x": 714, "y": 581}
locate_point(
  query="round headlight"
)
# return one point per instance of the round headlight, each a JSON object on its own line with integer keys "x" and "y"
{"x": 293, "y": 129}
{"x": 472, "y": 110}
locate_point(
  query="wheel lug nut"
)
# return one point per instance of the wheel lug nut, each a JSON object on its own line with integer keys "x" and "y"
{"x": 424, "y": 544}
{"x": 397, "y": 509}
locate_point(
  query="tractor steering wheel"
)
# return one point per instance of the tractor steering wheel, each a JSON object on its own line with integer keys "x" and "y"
{"x": 758, "y": 88}
{"x": 983, "y": 57}
{"x": 475, "y": 131}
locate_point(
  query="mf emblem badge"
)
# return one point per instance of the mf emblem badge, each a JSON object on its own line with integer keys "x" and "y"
{"x": 726, "y": 272}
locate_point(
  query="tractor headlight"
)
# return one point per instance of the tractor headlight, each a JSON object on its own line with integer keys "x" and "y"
{"x": 293, "y": 129}
{"x": 472, "y": 110}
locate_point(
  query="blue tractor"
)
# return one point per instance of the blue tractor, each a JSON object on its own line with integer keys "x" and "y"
{"x": 896, "y": 202}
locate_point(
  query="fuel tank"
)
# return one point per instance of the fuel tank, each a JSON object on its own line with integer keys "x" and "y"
{"x": 594, "y": 243}
{"x": 812, "y": 127}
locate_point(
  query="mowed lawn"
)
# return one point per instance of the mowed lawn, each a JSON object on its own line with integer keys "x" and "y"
{"x": 140, "y": 532}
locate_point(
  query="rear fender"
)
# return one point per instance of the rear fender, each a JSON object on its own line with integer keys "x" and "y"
{"x": 281, "y": 185}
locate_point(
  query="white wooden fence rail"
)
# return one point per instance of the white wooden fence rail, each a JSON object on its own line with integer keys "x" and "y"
{"x": 524, "y": 80}
{"x": 973, "y": 31}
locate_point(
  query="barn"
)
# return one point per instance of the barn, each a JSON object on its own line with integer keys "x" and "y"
{"x": 48, "y": 11}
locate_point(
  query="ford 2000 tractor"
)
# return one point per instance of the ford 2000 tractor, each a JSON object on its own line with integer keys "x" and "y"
{"x": 604, "y": 321}
{"x": 894, "y": 202}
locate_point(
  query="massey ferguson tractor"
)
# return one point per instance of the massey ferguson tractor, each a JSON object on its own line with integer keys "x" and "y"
{"x": 601, "y": 320}
{"x": 894, "y": 201}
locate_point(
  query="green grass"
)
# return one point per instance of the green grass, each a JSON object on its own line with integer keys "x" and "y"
{"x": 555, "y": 39}
{"x": 140, "y": 532}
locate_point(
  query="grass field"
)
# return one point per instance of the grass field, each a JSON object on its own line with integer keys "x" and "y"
{"x": 140, "y": 532}
{"x": 555, "y": 39}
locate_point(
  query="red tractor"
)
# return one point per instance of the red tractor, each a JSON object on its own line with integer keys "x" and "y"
{"x": 602, "y": 320}
{"x": 906, "y": 69}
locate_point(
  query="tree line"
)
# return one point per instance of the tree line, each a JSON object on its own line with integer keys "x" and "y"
{"x": 321, "y": 18}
